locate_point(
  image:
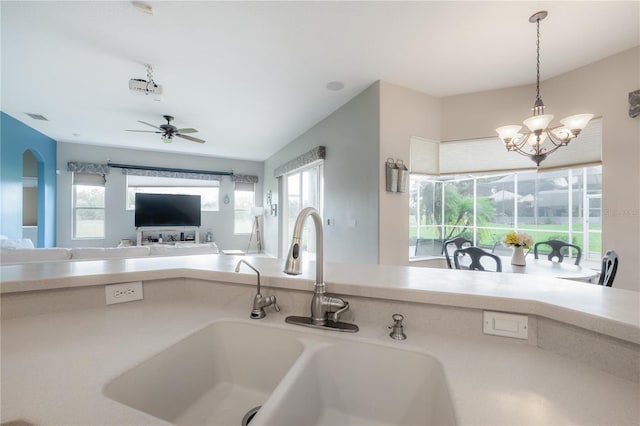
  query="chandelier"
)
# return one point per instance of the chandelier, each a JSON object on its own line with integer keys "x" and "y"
{"x": 541, "y": 140}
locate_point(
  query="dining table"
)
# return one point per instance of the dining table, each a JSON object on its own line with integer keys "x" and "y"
{"x": 549, "y": 268}
{"x": 544, "y": 268}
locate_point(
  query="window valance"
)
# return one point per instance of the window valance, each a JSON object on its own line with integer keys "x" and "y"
{"x": 170, "y": 174}
{"x": 149, "y": 171}
{"x": 317, "y": 153}
{"x": 244, "y": 178}
{"x": 88, "y": 168}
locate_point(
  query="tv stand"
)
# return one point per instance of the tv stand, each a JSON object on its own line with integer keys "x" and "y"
{"x": 168, "y": 230}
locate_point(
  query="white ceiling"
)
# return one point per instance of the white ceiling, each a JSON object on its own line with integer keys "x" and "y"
{"x": 251, "y": 76}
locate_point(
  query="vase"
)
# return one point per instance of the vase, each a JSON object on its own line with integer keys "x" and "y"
{"x": 518, "y": 257}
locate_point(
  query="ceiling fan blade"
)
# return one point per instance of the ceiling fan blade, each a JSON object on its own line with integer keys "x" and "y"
{"x": 149, "y": 124}
{"x": 190, "y": 138}
{"x": 142, "y": 131}
{"x": 187, "y": 130}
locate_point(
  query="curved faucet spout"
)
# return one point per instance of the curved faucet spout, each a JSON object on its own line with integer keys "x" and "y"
{"x": 293, "y": 265}
{"x": 240, "y": 262}
{"x": 259, "y": 302}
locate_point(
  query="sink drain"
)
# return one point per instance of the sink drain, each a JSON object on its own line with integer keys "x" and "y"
{"x": 250, "y": 415}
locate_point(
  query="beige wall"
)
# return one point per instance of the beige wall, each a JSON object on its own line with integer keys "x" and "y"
{"x": 601, "y": 88}
{"x": 403, "y": 113}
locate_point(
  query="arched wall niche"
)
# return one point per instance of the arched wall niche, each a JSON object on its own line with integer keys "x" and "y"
{"x": 32, "y": 191}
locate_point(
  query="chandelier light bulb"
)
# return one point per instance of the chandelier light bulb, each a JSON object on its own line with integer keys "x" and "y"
{"x": 536, "y": 141}
{"x": 577, "y": 122}
{"x": 562, "y": 133}
{"x": 508, "y": 133}
{"x": 538, "y": 123}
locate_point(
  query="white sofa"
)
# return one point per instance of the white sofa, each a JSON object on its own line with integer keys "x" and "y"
{"x": 21, "y": 251}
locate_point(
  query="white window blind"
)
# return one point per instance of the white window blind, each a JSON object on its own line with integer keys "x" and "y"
{"x": 207, "y": 189}
{"x": 250, "y": 187}
{"x": 425, "y": 156}
{"x": 489, "y": 154}
{"x": 88, "y": 179}
{"x": 479, "y": 156}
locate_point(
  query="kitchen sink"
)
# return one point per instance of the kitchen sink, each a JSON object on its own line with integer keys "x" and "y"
{"x": 364, "y": 384}
{"x": 231, "y": 368}
{"x": 211, "y": 376}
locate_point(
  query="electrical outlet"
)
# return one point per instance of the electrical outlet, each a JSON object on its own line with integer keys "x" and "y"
{"x": 124, "y": 292}
{"x": 506, "y": 325}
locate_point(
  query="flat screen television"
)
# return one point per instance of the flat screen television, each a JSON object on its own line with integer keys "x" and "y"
{"x": 155, "y": 210}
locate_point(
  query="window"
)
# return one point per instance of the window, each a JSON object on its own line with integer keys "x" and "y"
{"x": 244, "y": 200}
{"x": 208, "y": 190}
{"x": 88, "y": 206}
{"x": 301, "y": 188}
{"x": 561, "y": 204}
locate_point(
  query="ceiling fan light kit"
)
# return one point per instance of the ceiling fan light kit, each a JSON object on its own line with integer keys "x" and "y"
{"x": 168, "y": 131}
{"x": 541, "y": 140}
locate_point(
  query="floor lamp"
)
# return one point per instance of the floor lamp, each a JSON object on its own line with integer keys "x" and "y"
{"x": 256, "y": 212}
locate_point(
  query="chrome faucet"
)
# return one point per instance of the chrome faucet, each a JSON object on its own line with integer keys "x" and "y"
{"x": 325, "y": 308}
{"x": 259, "y": 302}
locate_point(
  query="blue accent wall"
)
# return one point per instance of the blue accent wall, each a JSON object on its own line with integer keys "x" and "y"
{"x": 15, "y": 139}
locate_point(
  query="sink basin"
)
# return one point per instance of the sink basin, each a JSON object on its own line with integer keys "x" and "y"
{"x": 212, "y": 377}
{"x": 219, "y": 374}
{"x": 363, "y": 384}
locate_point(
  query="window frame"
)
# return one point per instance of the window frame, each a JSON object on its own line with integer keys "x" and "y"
{"x": 80, "y": 180}
{"x": 174, "y": 189}
{"x": 236, "y": 209}
{"x": 577, "y": 179}
{"x": 285, "y": 213}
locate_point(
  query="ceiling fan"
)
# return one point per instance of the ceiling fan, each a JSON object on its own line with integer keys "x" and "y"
{"x": 168, "y": 131}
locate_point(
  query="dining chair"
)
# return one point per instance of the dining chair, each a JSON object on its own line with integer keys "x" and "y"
{"x": 556, "y": 250}
{"x": 459, "y": 243}
{"x": 476, "y": 254}
{"x": 609, "y": 268}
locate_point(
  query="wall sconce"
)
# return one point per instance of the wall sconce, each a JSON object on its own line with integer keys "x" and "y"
{"x": 634, "y": 104}
{"x": 397, "y": 175}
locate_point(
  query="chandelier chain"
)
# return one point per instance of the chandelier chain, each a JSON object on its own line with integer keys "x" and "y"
{"x": 538, "y": 60}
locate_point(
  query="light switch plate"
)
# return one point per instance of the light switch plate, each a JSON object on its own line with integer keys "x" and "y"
{"x": 506, "y": 325}
{"x": 124, "y": 292}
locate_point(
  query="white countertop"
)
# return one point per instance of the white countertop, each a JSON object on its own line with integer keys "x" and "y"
{"x": 54, "y": 367}
{"x": 610, "y": 311}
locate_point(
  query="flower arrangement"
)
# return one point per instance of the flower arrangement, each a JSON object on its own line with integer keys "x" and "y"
{"x": 517, "y": 239}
